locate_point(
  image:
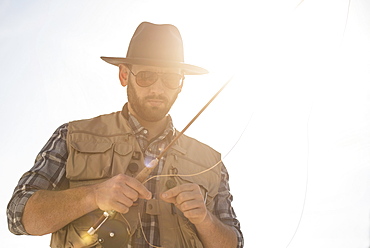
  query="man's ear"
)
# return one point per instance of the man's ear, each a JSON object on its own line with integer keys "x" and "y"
{"x": 180, "y": 88}
{"x": 123, "y": 74}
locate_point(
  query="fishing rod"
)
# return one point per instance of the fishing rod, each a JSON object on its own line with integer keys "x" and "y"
{"x": 145, "y": 172}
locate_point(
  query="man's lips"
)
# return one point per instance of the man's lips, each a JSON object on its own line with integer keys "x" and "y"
{"x": 155, "y": 102}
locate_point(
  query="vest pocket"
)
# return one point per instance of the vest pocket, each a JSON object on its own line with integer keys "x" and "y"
{"x": 122, "y": 156}
{"x": 89, "y": 160}
{"x": 188, "y": 234}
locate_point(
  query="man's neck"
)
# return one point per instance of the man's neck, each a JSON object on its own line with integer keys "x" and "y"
{"x": 154, "y": 128}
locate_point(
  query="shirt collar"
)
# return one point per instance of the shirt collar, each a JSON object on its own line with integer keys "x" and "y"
{"x": 138, "y": 129}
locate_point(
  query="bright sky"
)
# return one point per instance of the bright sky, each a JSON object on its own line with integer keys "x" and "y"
{"x": 300, "y": 171}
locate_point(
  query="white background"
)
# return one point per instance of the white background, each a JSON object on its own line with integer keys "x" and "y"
{"x": 299, "y": 172}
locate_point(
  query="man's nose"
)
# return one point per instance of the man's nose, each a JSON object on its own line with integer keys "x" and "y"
{"x": 158, "y": 86}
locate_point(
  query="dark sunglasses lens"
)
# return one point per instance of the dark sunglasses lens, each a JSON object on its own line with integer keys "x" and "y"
{"x": 146, "y": 78}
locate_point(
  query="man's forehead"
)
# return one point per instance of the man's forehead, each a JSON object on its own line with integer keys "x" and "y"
{"x": 138, "y": 68}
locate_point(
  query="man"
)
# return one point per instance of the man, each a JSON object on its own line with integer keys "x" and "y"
{"x": 92, "y": 165}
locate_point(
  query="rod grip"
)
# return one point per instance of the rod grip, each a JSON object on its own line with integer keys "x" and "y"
{"x": 145, "y": 172}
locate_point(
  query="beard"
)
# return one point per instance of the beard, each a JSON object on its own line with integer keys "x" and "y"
{"x": 145, "y": 112}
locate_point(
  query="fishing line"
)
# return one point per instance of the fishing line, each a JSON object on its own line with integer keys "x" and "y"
{"x": 345, "y": 26}
{"x": 144, "y": 236}
{"x": 306, "y": 186}
{"x": 308, "y": 144}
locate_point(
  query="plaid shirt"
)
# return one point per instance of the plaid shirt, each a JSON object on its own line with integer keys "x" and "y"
{"x": 48, "y": 173}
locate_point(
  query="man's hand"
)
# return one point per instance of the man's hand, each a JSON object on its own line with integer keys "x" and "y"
{"x": 189, "y": 199}
{"x": 119, "y": 193}
{"x": 211, "y": 231}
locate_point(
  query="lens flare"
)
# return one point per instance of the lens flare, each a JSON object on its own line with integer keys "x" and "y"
{"x": 87, "y": 239}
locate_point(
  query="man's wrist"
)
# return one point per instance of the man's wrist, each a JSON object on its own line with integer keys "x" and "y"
{"x": 207, "y": 221}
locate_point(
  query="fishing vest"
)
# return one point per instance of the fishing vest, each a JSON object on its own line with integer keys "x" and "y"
{"x": 105, "y": 146}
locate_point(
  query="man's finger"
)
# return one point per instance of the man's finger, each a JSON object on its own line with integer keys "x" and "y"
{"x": 171, "y": 194}
{"x": 139, "y": 187}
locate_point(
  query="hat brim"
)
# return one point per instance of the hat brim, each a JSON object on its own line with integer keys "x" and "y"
{"x": 187, "y": 68}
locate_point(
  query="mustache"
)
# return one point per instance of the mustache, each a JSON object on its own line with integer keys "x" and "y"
{"x": 156, "y": 97}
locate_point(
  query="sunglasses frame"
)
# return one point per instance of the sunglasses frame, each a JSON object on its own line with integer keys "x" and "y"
{"x": 159, "y": 76}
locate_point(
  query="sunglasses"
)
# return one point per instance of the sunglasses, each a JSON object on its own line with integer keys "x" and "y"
{"x": 147, "y": 78}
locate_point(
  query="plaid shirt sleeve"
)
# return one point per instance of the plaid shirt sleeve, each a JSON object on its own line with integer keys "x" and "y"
{"x": 223, "y": 209}
{"x": 47, "y": 173}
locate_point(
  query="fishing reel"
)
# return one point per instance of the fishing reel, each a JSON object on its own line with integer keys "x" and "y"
{"x": 113, "y": 230}
{"x": 113, "y": 234}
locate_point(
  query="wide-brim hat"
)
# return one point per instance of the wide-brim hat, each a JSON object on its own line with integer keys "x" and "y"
{"x": 156, "y": 45}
